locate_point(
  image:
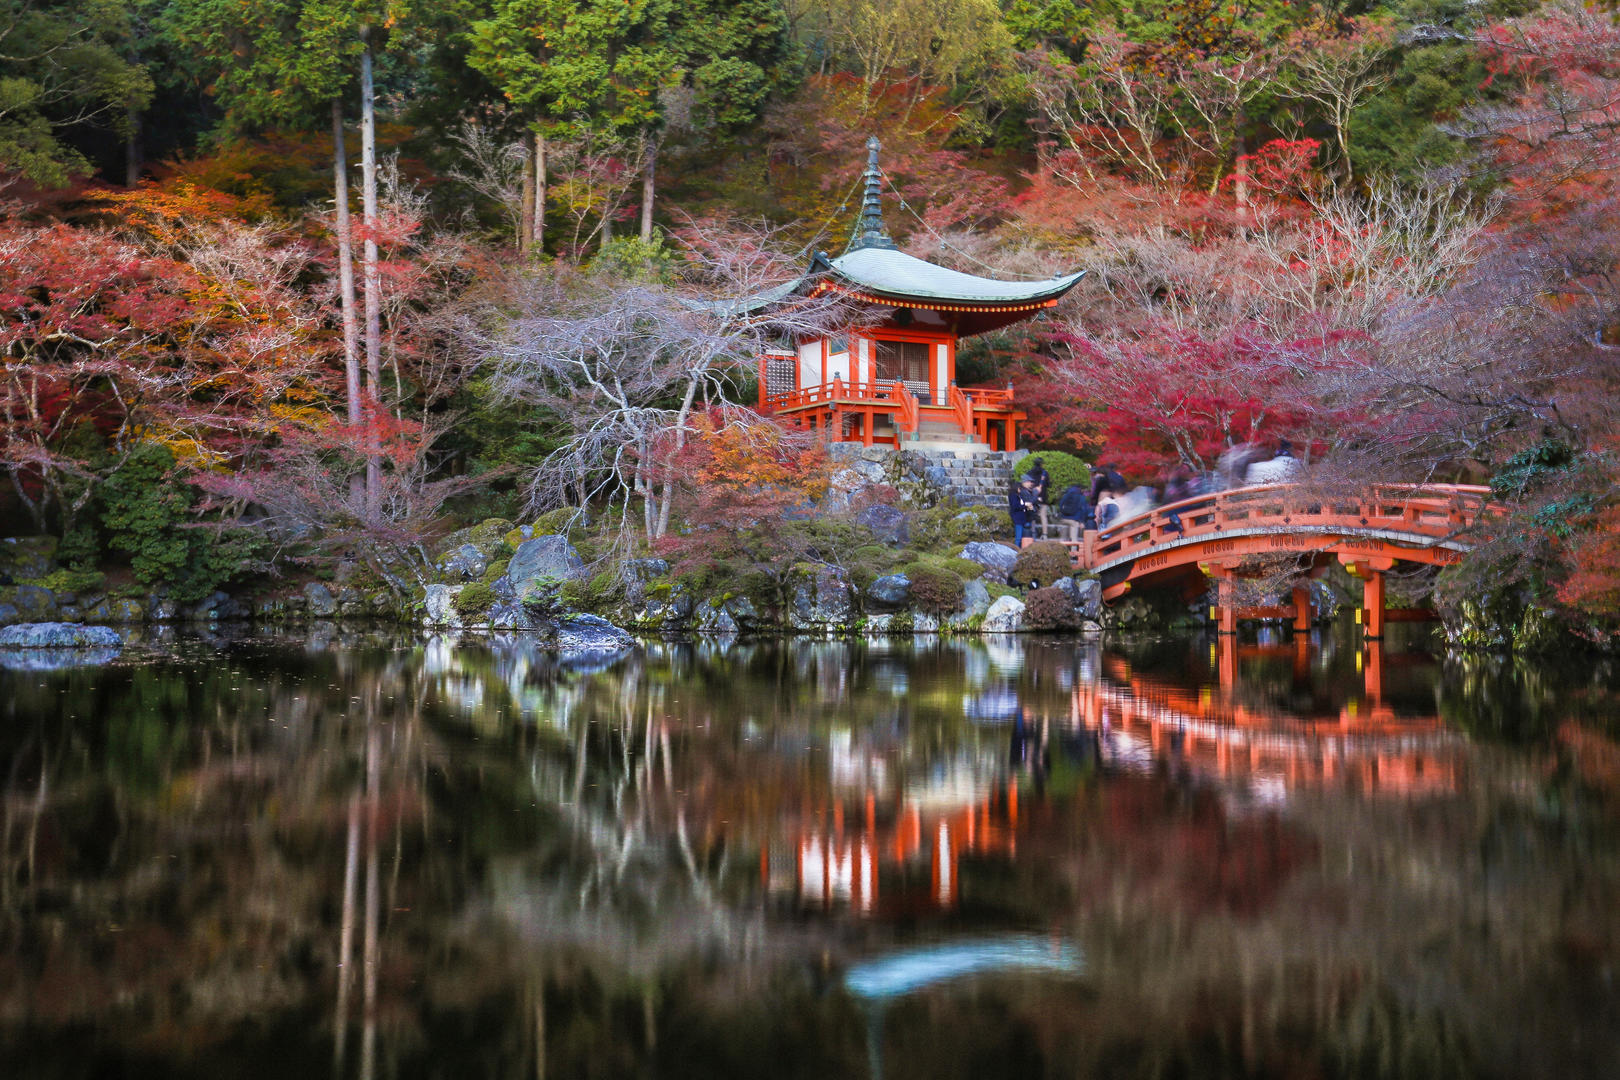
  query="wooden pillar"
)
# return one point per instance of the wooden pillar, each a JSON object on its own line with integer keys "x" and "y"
{"x": 1302, "y": 610}
{"x": 763, "y": 361}
{"x": 1372, "y": 593}
{"x": 1373, "y": 674}
{"x": 1012, "y": 434}
{"x": 866, "y": 425}
{"x": 1225, "y": 602}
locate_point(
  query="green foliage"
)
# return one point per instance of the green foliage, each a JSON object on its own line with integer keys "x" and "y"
{"x": 630, "y": 258}
{"x": 947, "y": 528}
{"x": 594, "y": 594}
{"x": 1558, "y": 518}
{"x": 72, "y": 581}
{"x": 542, "y": 598}
{"x": 495, "y": 571}
{"x": 1065, "y": 469}
{"x": 872, "y": 561}
{"x": 935, "y": 590}
{"x": 1536, "y": 465}
{"x": 1044, "y": 562}
{"x": 1050, "y": 609}
{"x": 475, "y": 599}
{"x": 62, "y": 66}
{"x": 149, "y": 516}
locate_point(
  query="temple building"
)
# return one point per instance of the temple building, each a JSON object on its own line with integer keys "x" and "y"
{"x": 891, "y": 379}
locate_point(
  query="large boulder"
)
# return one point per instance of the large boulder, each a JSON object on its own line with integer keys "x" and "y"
{"x": 25, "y": 557}
{"x": 997, "y": 559}
{"x": 218, "y": 607}
{"x": 888, "y": 523}
{"x": 544, "y": 557}
{"x": 591, "y": 633}
{"x": 26, "y": 604}
{"x": 1085, "y": 594}
{"x": 891, "y": 591}
{"x": 666, "y": 607}
{"x": 319, "y": 601}
{"x": 715, "y": 619}
{"x": 439, "y": 607}
{"x": 1006, "y": 616}
{"x": 465, "y": 563}
{"x": 821, "y": 599}
{"x": 975, "y": 602}
{"x": 58, "y": 635}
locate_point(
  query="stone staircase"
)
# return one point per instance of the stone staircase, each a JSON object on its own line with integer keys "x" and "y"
{"x": 972, "y": 473}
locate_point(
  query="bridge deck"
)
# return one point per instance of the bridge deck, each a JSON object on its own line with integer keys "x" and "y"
{"x": 1215, "y": 534}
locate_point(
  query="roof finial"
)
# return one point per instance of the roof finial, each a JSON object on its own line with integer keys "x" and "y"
{"x": 869, "y": 230}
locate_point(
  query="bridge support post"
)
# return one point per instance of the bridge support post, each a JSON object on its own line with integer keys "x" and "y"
{"x": 1225, "y": 600}
{"x": 1302, "y": 610}
{"x": 1372, "y": 599}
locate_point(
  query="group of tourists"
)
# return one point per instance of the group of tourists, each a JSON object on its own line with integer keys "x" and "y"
{"x": 1109, "y": 497}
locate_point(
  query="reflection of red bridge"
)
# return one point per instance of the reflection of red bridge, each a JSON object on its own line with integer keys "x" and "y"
{"x": 1367, "y": 746}
{"x": 1179, "y": 544}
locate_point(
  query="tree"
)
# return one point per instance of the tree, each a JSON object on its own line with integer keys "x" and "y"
{"x": 1337, "y": 66}
{"x": 60, "y": 68}
{"x": 628, "y": 364}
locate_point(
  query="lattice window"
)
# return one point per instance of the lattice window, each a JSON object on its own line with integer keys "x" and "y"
{"x": 905, "y": 361}
{"x": 780, "y": 374}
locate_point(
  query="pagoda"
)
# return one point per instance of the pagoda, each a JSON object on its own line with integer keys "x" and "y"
{"x": 890, "y": 377}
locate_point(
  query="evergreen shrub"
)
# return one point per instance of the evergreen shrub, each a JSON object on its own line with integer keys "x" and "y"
{"x": 1043, "y": 562}
{"x": 1050, "y": 609}
{"x": 1065, "y": 469}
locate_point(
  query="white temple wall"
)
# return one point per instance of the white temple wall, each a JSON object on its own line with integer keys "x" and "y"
{"x": 810, "y": 364}
{"x": 942, "y": 360}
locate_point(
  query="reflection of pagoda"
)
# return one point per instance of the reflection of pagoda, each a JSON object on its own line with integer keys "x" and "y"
{"x": 892, "y": 378}
{"x": 827, "y": 863}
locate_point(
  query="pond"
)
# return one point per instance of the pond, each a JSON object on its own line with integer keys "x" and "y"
{"x": 359, "y": 854}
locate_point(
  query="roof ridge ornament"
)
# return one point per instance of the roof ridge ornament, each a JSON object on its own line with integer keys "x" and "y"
{"x": 869, "y": 230}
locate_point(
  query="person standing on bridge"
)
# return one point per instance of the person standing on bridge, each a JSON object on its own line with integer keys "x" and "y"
{"x": 1106, "y": 478}
{"x": 1074, "y": 512}
{"x": 1021, "y": 507}
{"x": 1043, "y": 482}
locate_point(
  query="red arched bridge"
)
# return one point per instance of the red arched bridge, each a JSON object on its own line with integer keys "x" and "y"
{"x": 1212, "y": 536}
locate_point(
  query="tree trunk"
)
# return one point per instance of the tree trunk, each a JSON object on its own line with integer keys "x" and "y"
{"x": 132, "y": 149}
{"x": 526, "y": 205}
{"x": 539, "y": 244}
{"x": 681, "y": 417}
{"x": 345, "y": 247}
{"x": 372, "y": 277}
{"x": 648, "y": 185}
{"x": 1240, "y": 168}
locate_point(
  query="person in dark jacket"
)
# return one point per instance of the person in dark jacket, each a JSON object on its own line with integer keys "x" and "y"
{"x": 1106, "y": 478}
{"x": 1074, "y": 511}
{"x": 1043, "y": 483}
{"x": 1021, "y": 507}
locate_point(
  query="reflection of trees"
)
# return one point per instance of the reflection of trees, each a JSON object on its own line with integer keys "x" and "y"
{"x": 470, "y": 856}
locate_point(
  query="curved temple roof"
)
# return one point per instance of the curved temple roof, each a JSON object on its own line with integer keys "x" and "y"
{"x": 891, "y": 274}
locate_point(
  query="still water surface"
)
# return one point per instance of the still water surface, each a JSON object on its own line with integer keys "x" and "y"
{"x": 362, "y": 855}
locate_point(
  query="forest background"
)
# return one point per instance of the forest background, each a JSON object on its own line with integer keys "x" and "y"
{"x": 290, "y": 281}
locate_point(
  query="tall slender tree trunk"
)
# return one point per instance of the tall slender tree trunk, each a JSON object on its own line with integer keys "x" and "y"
{"x": 525, "y": 236}
{"x": 648, "y": 190}
{"x": 369, "y": 271}
{"x": 345, "y": 247}
{"x": 539, "y": 242}
{"x": 133, "y": 153}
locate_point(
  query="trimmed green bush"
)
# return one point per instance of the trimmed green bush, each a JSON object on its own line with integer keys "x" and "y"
{"x": 1050, "y": 609}
{"x": 935, "y": 590}
{"x": 475, "y": 599}
{"x": 1043, "y": 562}
{"x": 73, "y": 581}
{"x": 1065, "y": 469}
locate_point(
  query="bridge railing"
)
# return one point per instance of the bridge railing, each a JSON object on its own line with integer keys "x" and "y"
{"x": 1431, "y": 510}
